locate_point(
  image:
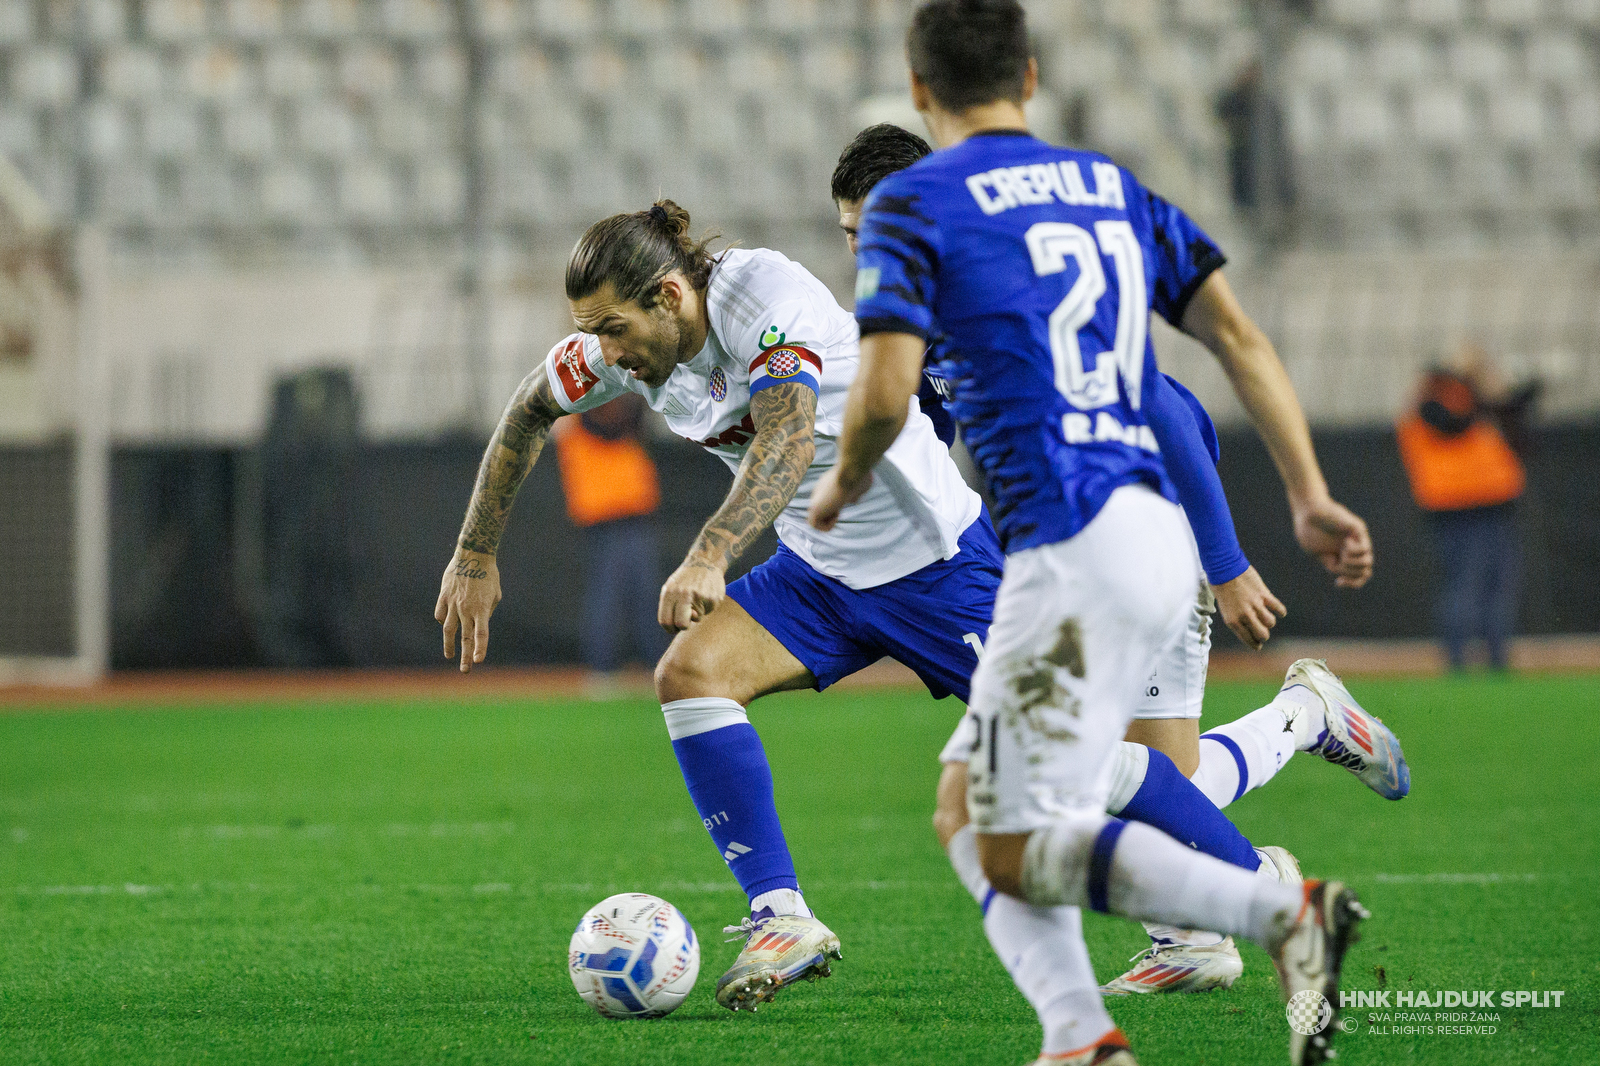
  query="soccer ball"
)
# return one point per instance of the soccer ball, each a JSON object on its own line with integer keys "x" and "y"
{"x": 633, "y": 956}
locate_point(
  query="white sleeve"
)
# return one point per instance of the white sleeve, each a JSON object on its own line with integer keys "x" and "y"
{"x": 578, "y": 375}
{"x": 784, "y": 344}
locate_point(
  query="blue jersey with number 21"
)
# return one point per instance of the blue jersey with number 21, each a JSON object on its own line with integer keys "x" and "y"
{"x": 1039, "y": 265}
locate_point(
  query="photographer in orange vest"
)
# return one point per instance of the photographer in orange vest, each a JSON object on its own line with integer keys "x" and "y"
{"x": 1457, "y": 446}
{"x": 612, "y": 495}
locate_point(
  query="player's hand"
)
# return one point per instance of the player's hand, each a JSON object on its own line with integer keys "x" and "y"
{"x": 693, "y": 591}
{"x": 831, "y": 496}
{"x": 467, "y": 597}
{"x": 1337, "y": 536}
{"x": 1249, "y": 608}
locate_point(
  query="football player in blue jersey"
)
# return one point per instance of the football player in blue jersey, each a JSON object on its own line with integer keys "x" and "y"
{"x": 1039, "y": 266}
{"x": 1312, "y": 711}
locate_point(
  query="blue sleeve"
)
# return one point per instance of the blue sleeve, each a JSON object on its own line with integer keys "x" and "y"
{"x": 1183, "y": 254}
{"x": 1194, "y": 475}
{"x": 1208, "y": 428}
{"x": 932, "y": 405}
{"x": 899, "y": 253}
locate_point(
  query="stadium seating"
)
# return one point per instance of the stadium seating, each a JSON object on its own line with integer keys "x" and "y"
{"x": 336, "y": 131}
{"x": 374, "y": 87}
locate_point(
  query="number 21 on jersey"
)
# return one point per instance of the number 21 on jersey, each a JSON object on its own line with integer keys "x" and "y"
{"x": 1052, "y": 244}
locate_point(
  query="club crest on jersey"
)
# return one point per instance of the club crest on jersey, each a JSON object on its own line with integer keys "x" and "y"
{"x": 783, "y": 363}
{"x": 772, "y": 337}
{"x": 719, "y": 384}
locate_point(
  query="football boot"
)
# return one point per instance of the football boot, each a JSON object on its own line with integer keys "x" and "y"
{"x": 1169, "y": 967}
{"x": 1308, "y": 962}
{"x": 1172, "y": 966}
{"x": 779, "y": 950}
{"x": 1353, "y": 738}
{"x": 1110, "y": 1050}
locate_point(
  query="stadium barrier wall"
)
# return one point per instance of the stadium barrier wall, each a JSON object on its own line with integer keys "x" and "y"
{"x": 225, "y": 557}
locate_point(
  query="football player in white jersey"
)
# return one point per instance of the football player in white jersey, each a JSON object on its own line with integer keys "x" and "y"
{"x": 748, "y": 355}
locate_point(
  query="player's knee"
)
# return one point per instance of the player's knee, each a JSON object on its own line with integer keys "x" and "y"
{"x": 684, "y": 672}
{"x": 694, "y": 668}
{"x": 947, "y": 824}
{"x": 1001, "y": 858}
{"x": 1004, "y": 878}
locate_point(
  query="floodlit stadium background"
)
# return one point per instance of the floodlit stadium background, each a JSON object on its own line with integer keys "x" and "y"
{"x": 272, "y": 267}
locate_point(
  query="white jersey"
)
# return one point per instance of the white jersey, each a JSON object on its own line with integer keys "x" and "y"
{"x": 772, "y": 322}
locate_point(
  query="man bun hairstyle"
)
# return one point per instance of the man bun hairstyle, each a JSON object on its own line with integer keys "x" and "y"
{"x": 970, "y": 52}
{"x": 877, "y": 152}
{"x": 635, "y": 251}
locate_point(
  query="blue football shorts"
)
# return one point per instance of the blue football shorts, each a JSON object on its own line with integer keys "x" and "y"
{"x": 934, "y": 620}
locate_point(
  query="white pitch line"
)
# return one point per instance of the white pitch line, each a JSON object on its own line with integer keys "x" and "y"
{"x": 1452, "y": 879}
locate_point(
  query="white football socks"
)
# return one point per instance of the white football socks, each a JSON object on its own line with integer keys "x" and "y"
{"x": 1042, "y": 949}
{"x": 1151, "y": 877}
{"x": 1171, "y": 934}
{"x": 782, "y": 901}
{"x": 963, "y": 852}
{"x": 1246, "y": 753}
{"x": 702, "y": 714}
{"x": 1155, "y": 877}
{"x": 1129, "y": 764}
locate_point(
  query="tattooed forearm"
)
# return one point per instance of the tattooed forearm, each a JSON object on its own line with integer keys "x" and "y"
{"x": 506, "y": 462}
{"x": 781, "y": 451}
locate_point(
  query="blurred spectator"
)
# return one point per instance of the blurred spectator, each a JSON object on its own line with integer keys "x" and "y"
{"x": 612, "y": 494}
{"x": 1459, "y": 445}
{"x": 1259, "y": 178}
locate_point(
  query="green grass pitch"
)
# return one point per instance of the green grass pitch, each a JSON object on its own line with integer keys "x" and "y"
{"x": 396, "y": 883}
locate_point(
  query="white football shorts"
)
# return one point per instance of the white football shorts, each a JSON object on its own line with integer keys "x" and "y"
{"x": 1176, "y": 687}
{"x": 1077, "y": 626}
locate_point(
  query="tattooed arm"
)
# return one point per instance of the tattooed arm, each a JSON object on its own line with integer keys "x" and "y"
{"x": 780, "y": 452}
{"x": 471, "y": 585}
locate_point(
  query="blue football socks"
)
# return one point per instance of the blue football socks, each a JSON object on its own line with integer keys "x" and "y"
{"x": 1171, "y": 803}
{"x": 729, "y": 780}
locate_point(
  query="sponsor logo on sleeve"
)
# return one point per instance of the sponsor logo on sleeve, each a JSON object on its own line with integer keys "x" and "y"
{"x": 573, "y": 372}
{"x": 772, "y": 337}
{"x": 867, "y": 279}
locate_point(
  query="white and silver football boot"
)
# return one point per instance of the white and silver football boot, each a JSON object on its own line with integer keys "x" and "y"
{"x": 778, "y": 951}
{"x": 1354, "y": 739}
{"x": 1308, "y": 962}
{"x": 1279, "y": 865}
{"x": 1170, "y": 965}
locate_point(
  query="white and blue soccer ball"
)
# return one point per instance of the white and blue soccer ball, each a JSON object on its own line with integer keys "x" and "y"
{"x": 633, "y": 956}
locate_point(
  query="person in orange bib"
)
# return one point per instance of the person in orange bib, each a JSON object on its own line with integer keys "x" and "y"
{"x": 1465, "y": 473}
{"x": 612, "y": 495}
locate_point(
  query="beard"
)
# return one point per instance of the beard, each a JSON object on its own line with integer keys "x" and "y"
{"x": 666, "y": 350}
